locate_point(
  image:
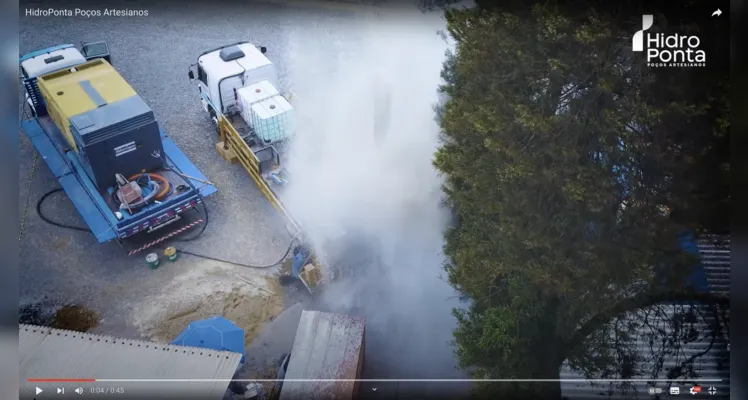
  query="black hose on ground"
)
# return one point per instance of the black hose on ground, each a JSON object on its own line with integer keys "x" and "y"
{"x": 279, "y": 262}
{"x": 194, "y": 254}
{"x": 55, "y": 223}
{"x": 202, "y": 230}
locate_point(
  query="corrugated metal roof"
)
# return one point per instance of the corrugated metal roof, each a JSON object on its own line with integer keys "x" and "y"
{"x": 327, "y": 346}
{"x": 654, "y": 358}
{"x": 715, "y": 259}
{"x": 54, "y": 353}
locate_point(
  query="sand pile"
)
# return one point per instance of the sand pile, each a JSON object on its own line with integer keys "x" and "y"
{"x": 207, "y": 291}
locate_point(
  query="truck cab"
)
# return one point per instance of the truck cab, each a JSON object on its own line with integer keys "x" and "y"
{"x": 220, "y": 72}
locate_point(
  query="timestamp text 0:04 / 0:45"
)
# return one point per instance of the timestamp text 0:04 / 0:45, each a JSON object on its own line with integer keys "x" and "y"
{"x": 107, "y": 390}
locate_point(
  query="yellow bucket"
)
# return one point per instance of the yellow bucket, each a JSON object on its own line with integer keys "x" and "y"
{"x": 170, "y": 253}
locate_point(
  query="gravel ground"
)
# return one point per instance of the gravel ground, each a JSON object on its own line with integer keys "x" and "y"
{"x": 153, "y": 53}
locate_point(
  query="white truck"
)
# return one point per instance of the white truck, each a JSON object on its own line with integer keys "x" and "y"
{"x": 238, "y": 87}
{"x": 238, "y": 79}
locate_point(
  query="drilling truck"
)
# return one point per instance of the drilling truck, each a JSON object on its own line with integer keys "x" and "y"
{"x": 254, "y": 120}
{"x": 102, "y": 142}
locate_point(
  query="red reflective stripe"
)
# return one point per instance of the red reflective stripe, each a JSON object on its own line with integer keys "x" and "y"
{"x": 157, "y": 241}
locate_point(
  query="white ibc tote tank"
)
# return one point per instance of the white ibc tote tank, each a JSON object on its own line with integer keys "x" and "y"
{"x": 272, "y": 119}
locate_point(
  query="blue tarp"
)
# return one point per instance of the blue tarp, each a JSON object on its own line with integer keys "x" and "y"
{"x": 697, "y": 279}
{"x": 217, "y": 333}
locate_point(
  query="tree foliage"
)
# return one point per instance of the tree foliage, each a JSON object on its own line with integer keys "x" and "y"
{"x": 574, "y": 169}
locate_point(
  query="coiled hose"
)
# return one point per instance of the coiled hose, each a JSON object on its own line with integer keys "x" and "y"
{"x": 165, "y": 186}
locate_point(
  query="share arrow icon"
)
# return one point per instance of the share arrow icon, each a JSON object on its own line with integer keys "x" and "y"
{"x": 717, "y": 13}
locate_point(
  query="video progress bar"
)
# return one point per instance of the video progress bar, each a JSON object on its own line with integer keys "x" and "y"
{"x": 83, "y": 380}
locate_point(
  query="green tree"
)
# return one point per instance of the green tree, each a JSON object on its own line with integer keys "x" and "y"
{"x": 573, "y": 169}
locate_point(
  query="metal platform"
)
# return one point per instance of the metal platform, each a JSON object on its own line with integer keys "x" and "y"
{"x": 237, "y": 136}
{"x": 258, "y": 148}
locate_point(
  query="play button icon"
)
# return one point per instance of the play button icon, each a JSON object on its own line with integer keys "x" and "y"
{"x": 38, "y": 390}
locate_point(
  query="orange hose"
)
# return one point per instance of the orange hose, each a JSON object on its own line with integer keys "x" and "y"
{"x": 165, "y": 185}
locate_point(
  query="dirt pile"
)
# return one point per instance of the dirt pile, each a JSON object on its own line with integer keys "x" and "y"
{"x": 72, "y": 317}
{"x": 249, "y": 300}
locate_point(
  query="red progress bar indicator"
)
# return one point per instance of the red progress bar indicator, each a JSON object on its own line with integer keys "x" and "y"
{"x": 48, "y": 380}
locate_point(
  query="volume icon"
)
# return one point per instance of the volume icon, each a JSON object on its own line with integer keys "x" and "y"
{"x": 79, "y": 390}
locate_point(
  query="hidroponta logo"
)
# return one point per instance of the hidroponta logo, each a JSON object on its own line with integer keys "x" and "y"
{"x": 668, "y": 50}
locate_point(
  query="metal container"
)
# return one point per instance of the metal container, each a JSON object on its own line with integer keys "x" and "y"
{"x": 272, "y": 119}
{"x": 171, "y": 253}
{"x": 113, "y": 130}
{"x": 249, "y": 95}
{"x": 152, "y": 260}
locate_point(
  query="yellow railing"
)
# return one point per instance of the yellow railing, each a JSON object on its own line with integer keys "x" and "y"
{"x": 247, "y": 158}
